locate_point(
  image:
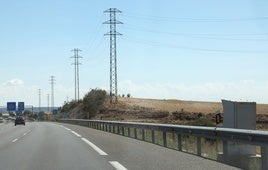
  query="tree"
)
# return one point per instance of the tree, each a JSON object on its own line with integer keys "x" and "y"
{"x": 93, "y": 102}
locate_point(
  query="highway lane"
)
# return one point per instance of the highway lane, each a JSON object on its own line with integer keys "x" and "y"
{"x": 43, "y": 146}
{"x": 136, "y": 155}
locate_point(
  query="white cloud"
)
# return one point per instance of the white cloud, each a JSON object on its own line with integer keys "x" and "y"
{"x": 14, "y": 82}
{"x": 15, "y": 91}
{"x": 246, "y": 90}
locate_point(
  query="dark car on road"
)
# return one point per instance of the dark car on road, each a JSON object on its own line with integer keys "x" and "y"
{"x": 19, "y": 120}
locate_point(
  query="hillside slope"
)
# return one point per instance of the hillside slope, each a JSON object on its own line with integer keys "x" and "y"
{"x": 178, "y": 105}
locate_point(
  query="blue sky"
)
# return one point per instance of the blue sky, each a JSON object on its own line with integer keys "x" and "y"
{"x": 175, "y": 49}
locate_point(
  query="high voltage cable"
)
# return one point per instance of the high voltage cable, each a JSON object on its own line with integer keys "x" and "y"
{"x": 133, "y": 27}
{"x": 202, "y": 36}
{"x": 188, "y": 19}
{"x": 158, "y": 44}
{"x": 98, "y": 51}
{"x": 97, "y": 33}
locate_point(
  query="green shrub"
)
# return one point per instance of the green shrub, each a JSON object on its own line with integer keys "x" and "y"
{"x": 201, "y": 122}
{"x": 93, "y": 102}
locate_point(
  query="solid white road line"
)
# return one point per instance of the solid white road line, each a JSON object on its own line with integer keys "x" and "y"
{"x": 67, "y": 129}
{"x": 76, "y": 134}
{"x": 14, "y": 140}
{"x": 117, "y": 165}
{"x": 97, "y": 149}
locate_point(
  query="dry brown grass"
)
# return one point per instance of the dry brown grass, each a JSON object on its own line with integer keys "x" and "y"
{"x": 178, "y": 105}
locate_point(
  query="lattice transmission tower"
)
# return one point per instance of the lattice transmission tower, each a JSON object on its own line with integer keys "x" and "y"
{"x": 76, "y": 72}
{"x": 52, "y": 82}
{"x": 113, "y": 60}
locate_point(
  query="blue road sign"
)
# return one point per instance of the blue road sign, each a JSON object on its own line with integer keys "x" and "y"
{"x": 55, "y": 111}
{"x": 11, "y": 106}
{"x": 40, "y": 114}
{"x": 20, "y": 106}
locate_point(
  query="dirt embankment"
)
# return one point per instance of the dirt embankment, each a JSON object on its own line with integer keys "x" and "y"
{"x": 170, "y": 111}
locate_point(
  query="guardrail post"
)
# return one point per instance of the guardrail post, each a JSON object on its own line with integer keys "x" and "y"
{"x": 179, "y": 142}
{"x": 118, "y": 129}
{"x": 113, "y": 129}
{"x": 198, "y": 146}
{"x": 128, "y": 132}
{"x": 135, "y": 133}
{"x": 164, "y": 139}
{"x": 264, "y": 157}
{"x": 142, "y": 135}
{"x": 153, "y": 140}
{"x": 123, "y": 131}
{"x": 110, "y": 127}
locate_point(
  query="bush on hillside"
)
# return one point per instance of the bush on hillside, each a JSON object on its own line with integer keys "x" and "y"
{"x": 69, "y": 106}
{"x": 93, "y": 102}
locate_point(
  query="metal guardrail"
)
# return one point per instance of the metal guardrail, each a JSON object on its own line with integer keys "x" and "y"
{"x": 191, "y": 139}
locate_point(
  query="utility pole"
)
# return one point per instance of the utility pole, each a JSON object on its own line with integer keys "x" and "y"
{"x": 39, "y": 94}
{"x": 47, "y": 102}
{"x": 76, "y": 72}
{"x": 52, "y": 81}
{"x": 113, "y": 60}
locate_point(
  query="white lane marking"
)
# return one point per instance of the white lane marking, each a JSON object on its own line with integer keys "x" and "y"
{"x": 76, "y": 134}
{"x": 67, "y": 129}
{"x": 97, "y": 149}
{"x": 26, "y": 132}
{"x": 14, "y": 140}
{"x": 117, "y": 165}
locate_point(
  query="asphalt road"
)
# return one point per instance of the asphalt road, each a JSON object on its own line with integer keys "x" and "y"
{"x": 52, "y": 146}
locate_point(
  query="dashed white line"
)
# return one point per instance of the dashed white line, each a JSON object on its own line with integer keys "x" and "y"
{"x": 60, "y": 125}
{"x": 24, "y": 134}
{"x": 117, "y": 165}
{"x": 14, "y": 140}
{"x": 97, "y": 149}
{"x": 76, "y": 134}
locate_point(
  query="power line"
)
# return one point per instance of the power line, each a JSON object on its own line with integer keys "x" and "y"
{"x": 205, "y": 36}
{"x": 159, "y": 44}
{"x": 113, "y": 60}
{"x": 190, "y": 19}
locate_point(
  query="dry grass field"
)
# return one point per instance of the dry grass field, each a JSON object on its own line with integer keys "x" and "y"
{"x": 178, "y": 105}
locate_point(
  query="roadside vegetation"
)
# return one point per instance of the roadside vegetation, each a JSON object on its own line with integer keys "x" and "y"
{"x": 89, "y": 106}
